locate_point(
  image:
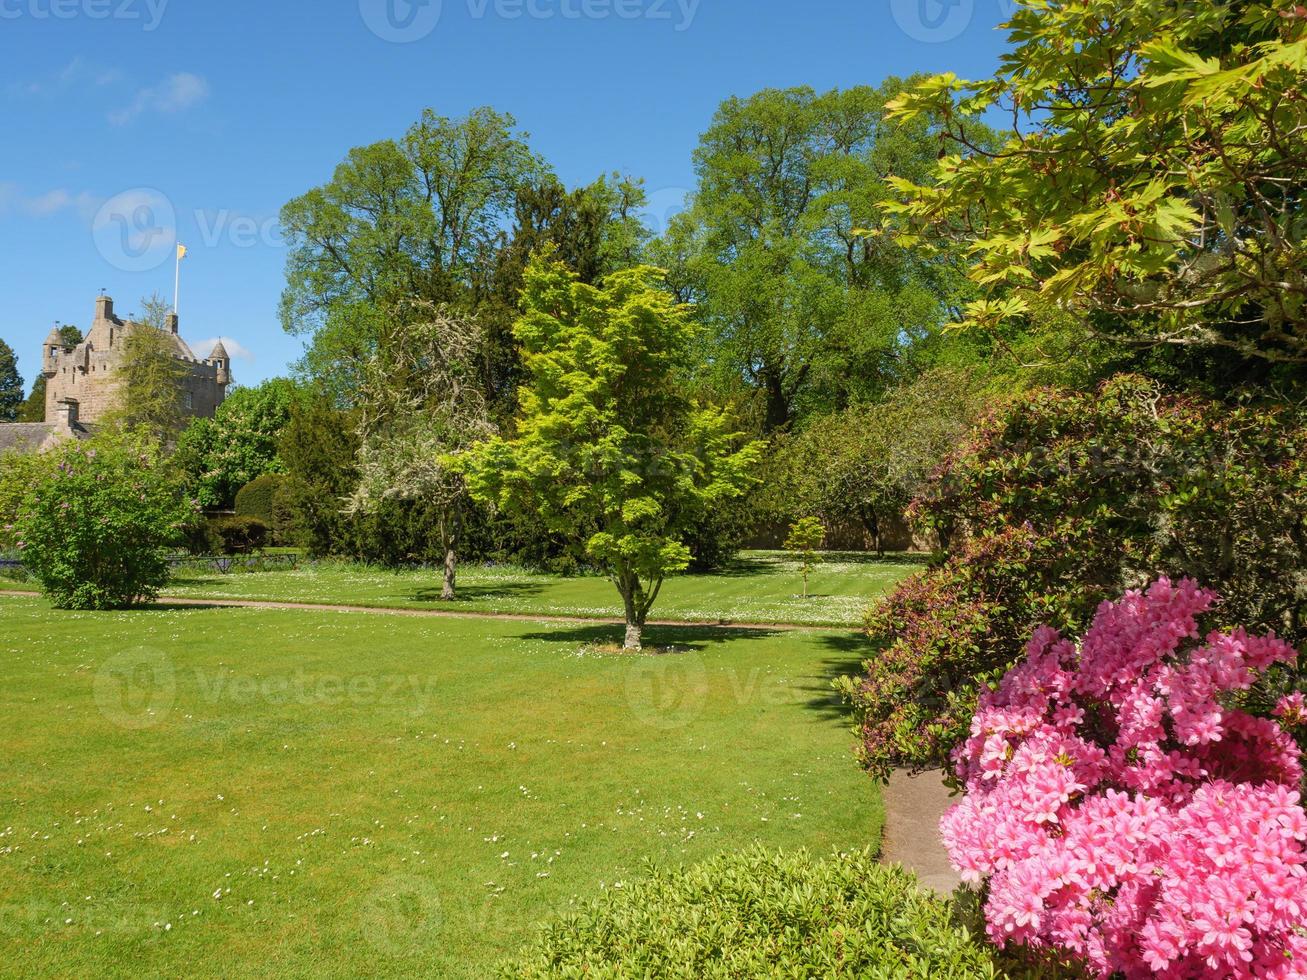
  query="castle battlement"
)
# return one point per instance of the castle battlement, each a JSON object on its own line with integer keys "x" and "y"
{"x": 90, "y": 373}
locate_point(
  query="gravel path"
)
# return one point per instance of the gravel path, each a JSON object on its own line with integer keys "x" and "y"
{"x": 913, "y": 807}
{"x": 457, "y": 614}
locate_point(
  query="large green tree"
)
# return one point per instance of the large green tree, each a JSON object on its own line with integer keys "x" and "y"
{"x": 222, "y": 454}
{"x": 150, "y": 376}
{"x": 801, "y": 308}
{"x": 11, "y": 384}
{"x": 609, "y": 449}
{"x": 1153, "y": 181}
{"x": 414, "y": 218}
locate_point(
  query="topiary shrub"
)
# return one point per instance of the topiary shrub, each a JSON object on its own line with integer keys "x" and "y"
{"x": 240, "y": 535}
{"x": 1119, "y": 810}
{"x": 96, "y": 531}
{"x": 757, "y": 914}
{"x": 258, "y": 498}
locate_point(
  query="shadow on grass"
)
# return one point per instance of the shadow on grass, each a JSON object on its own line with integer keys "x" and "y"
{"x": 848, "y": 653}
{"x": 688, "y": 638}
{"x": 478, "y": 593}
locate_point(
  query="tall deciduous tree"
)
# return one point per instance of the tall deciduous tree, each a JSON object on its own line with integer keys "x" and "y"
{"x": 150, "y": 377}
{"x": 609, "y": 449}
{"x": 11, "y": 384}
{"x": 807, "y": 312}
{"x": 1153, "y": 182}
{"x": 420, "y": 406}
{"x": 413, "y": 218}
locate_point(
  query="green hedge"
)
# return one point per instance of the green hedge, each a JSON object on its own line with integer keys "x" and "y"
{"x": 757, "y": 914}
{"x": 256, "y": 498}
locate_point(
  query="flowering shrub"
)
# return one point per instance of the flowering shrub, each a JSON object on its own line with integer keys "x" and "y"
{"x": 1123, "y": 815}
{"x": 1061, "y": 500}
{"x": 96, "y": 529}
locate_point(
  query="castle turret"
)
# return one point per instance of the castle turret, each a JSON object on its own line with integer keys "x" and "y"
{"x": 218, "y": 358}
{"x": 104, "y": 308}
{"x": 54, "y": 345}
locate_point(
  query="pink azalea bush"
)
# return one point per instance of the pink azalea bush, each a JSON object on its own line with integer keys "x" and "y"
{"x": 1122, "y": 815}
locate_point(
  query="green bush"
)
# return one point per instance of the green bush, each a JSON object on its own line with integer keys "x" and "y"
{"x": 257, "y": 498}
{"x": 757, "y": 914}
{"x": 240, "y": 535}
{"x": 96, "y": 531}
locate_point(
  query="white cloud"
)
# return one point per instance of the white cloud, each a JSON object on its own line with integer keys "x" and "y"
{"x": 53, "y": 202}
{"x": 178, "y": 92}
{"x": 237, "y": 350}
{"x": 76, "y": 74}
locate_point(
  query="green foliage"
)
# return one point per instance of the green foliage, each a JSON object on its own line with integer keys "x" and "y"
{"x": 240, "y": 535}
{"x": 239, "y": 444}
{"x": 806, "y": 313}
{"x": 318, "y": 450}
{"x": 11, "y": 385}
{"x": 1061, "y": 500}
{"x": 867, "y": 463}
{"x": 609, "y": 451}
{"x": 804, "y": 541}
{"x": 414, "y": 218}
{"x": 19, "y": 472}
{"x": 150, "y": 378}
{"x": 95, "y": 531}
{"x": 758, "y": 914}
{"x": 1152, "y": 185}
{"x": 258, "y": 498}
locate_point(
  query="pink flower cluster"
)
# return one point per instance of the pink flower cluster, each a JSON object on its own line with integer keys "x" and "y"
{"x": 1122, "y": 815}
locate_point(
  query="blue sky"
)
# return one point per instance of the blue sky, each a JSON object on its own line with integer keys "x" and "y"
{"x": 126, "y": 119}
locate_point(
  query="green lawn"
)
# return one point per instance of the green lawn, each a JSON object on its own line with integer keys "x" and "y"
{"x": 761, "y": 587}
{"x": 230, "y": 792}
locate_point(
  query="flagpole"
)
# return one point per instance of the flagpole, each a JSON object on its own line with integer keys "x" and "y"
{"x": 177, "y": 281}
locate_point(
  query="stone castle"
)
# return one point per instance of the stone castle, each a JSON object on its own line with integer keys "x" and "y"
{"x": 89, "y": 373}
{"x": 82, "y": 384}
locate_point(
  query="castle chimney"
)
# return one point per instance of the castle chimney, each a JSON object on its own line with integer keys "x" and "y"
{"x": 104, "y": 308}
{"x": 65, "y": 413}
{"x": 172, "y": 324}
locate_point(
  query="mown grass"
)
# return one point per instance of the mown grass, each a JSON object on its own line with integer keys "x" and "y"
{"x": 761, "y": 587}
{"x": 232, "y": 792}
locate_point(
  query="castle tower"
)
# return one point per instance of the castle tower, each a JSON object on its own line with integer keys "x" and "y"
{"x": 219, "y": 358}
{"x": 54, "y": 345}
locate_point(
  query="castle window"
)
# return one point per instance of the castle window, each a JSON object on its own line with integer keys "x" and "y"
{"x": 190, "y": 401}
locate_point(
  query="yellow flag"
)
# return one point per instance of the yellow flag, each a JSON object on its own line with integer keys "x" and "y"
{"x": 181, "y": 252}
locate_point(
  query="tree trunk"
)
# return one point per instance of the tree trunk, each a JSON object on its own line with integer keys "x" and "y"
{"x": 451, "y": 572}
{"x": 633, "y": 637}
